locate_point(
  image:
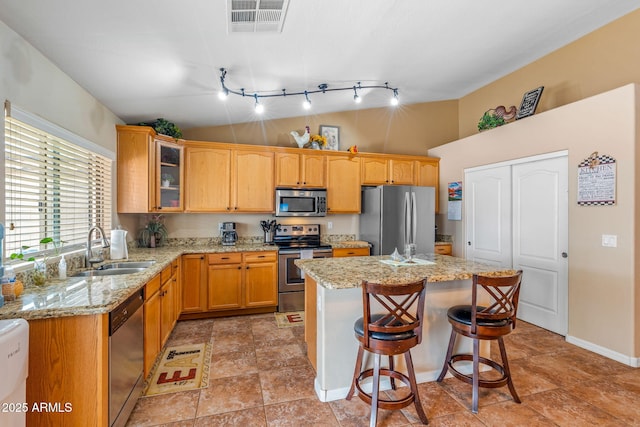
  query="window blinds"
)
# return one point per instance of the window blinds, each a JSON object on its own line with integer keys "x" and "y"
{"x": 53, "y": 188}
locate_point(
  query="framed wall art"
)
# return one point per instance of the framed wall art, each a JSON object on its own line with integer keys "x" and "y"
{"x": 529, "y": 103}
{"x": 332, "y": 133}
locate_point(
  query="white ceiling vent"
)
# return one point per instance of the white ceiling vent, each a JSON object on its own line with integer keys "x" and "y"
{"x": 256, "y": 16}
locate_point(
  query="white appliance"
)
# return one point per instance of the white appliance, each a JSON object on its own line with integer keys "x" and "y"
{"x": 118, "y": 248}
{"x": 14, "y": 353}
{"x": 394, "y": 215}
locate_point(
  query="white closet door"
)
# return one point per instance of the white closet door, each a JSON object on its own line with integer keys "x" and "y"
{"x": 488, "y": 215}
{"x": 540, "y": 240}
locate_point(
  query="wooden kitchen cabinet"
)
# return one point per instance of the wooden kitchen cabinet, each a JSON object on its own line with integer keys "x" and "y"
{"x": 443, "y": 249}
{"x": 152, "y": 331}
{"x": 345, "y": 252}
{"x": 253, "y": 181}
{"x": 224, "y": 180}
{"x": 143, "y": 158}
{"x": 378, "y": 170}
{"x": 208, "y": 179}
{"x": 224, "y": 279}
{"x": 68, "y": 364}
{"x": 427, "y": 175}
{"x": 343, "y": 184}
{"x": 194, "y": 283}
{"x": 168, "y": 315}
{"x": 242, "y": 280}
{"x": 160, "y": 312}
{"x": 260, "y": 279}
{"x": 300, "y": 170}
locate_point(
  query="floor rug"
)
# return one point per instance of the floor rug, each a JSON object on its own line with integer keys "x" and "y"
{"x": 180, "y": 369}
{"x": 293, "y": 318}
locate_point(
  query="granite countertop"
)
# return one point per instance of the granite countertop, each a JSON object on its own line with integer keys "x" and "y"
{"x": 349, "y": 272}
{"x": 348, "y": 244}
{"x": 95, "y": 295}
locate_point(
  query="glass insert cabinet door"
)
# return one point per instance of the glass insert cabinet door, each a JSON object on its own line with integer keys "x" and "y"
{"x": 169, "y": 178}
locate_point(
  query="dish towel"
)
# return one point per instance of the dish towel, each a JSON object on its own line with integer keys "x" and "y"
{"x": 305, "y": 254}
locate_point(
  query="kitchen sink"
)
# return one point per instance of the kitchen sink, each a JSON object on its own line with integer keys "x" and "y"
{"x": 109, "y": 272}
{"x": 126, "y": 264}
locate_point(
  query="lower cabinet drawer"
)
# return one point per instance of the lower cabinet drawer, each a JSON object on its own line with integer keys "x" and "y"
{"x": 225, "y": 258}
{"x": 443, "y": 249}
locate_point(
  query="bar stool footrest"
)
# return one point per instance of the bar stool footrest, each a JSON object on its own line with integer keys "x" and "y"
{"x": 468, "y": 378}
{"x": 386, "y": 403}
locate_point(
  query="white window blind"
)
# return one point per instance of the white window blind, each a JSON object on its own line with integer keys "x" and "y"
{"x": 53, "y": 188}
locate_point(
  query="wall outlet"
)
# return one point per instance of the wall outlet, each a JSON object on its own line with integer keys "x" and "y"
{"x": 329, "y": 225}
{"x": 610, "y": 240}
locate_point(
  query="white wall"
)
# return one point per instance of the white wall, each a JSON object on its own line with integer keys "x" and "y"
{"x": 32, "y": 82}
{"x": 602, "y": 280}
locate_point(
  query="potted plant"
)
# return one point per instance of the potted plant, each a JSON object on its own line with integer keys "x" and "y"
{"x": 167, "y": 179}
{"x": 490, "y": 120}
{"x": 154, "y": 233}
{"x": 39, "y": 275}
{"x": 164, "y": 127}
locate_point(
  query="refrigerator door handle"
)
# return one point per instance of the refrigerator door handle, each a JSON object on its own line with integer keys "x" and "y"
{"x": 414, "y": 222}
{"x": 407, "y": 218}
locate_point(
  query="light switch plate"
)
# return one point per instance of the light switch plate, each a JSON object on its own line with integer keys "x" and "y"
{"x": 610, "y": 240}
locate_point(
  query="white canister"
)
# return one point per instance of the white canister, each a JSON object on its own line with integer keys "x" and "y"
{"x": 118, "y": 249}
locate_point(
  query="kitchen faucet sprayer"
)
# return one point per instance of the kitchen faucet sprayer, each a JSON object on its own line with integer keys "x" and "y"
{"x": 89, "y": 261}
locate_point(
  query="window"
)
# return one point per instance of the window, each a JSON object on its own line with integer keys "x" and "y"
{"x": 56, "y": 184}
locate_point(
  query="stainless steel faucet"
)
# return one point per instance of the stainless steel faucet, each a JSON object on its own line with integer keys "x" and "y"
{"x": 88, "y": 259}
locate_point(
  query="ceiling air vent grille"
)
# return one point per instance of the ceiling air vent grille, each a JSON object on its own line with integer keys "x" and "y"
{"x": 256, "y": 15}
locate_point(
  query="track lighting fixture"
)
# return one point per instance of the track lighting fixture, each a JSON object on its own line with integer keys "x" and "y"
{"x": 306, "y": 103}
{"x": 259, "y": 107}
{"x": 394, "y": 100}
{"x": 356, "y": 97}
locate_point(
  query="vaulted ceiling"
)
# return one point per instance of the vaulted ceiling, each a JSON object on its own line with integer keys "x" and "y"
{"x": 145, "y": 59}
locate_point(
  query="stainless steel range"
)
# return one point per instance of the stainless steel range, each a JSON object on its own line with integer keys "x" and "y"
{"x": 295, "y": 241}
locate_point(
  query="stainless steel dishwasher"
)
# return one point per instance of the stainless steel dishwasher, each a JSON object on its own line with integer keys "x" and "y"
{"x": 125, "y": 358}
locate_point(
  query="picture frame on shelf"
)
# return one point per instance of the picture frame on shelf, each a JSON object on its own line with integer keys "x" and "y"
{"x": 332, "y": 133}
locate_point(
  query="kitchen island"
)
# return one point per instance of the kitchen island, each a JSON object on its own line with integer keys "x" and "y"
{"x": 333, "y": 301}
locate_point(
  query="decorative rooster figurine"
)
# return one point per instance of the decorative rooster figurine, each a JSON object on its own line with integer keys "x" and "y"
{"x": 301, "y": 140}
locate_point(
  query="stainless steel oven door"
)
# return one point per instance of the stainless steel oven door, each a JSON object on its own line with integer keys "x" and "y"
{"x": 289, "y": 275}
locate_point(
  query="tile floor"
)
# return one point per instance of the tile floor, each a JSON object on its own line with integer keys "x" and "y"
{"x": 260, "y": 376}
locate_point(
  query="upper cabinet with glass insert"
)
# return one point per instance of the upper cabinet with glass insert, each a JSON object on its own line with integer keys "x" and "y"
{"x": 149, "y": 170}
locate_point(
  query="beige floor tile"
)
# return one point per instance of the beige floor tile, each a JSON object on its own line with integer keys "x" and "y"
{"x": 511, "y": 414}
{"x": 164, "y": 408}
{"x": 303, "y": 412}
{"x": 356, "y": 413}
{"x": 459, "y": 419}
{"x": 230, "y": 394}
{"x": 232, "y": 342}
{"x": 281, "y": 356}
{"x": 287, "y": 384}
{"x": 253, "y": 417}
{"x": 232, "y": 363}
{"x": 566, "y": 410}
{"x": 611, "y": 397}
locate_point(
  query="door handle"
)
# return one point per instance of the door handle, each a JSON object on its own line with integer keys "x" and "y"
{"x": 565, "y": 255}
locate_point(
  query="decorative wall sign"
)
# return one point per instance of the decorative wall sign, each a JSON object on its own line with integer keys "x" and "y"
{"x": 529, "y": 103}
{"x": 454, "y": 206}
{"x": 597, "y": 180}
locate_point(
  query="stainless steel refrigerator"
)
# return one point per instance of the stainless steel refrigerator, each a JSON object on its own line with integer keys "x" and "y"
{"x": 394, "y": 215}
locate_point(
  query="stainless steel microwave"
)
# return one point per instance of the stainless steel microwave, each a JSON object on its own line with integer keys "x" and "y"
{"x": 297, "y": 202}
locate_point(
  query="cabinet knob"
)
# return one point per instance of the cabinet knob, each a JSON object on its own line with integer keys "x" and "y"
{"x": 239, "y": 268}
{"x": 304, "y": 183}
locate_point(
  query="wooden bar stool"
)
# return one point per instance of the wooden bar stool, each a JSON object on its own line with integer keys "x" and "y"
{"x": 394, "y": 331}
{"x": 485, "y": 323}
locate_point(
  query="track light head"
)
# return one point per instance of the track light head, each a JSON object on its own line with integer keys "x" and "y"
{"x": 306, "y": 104}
